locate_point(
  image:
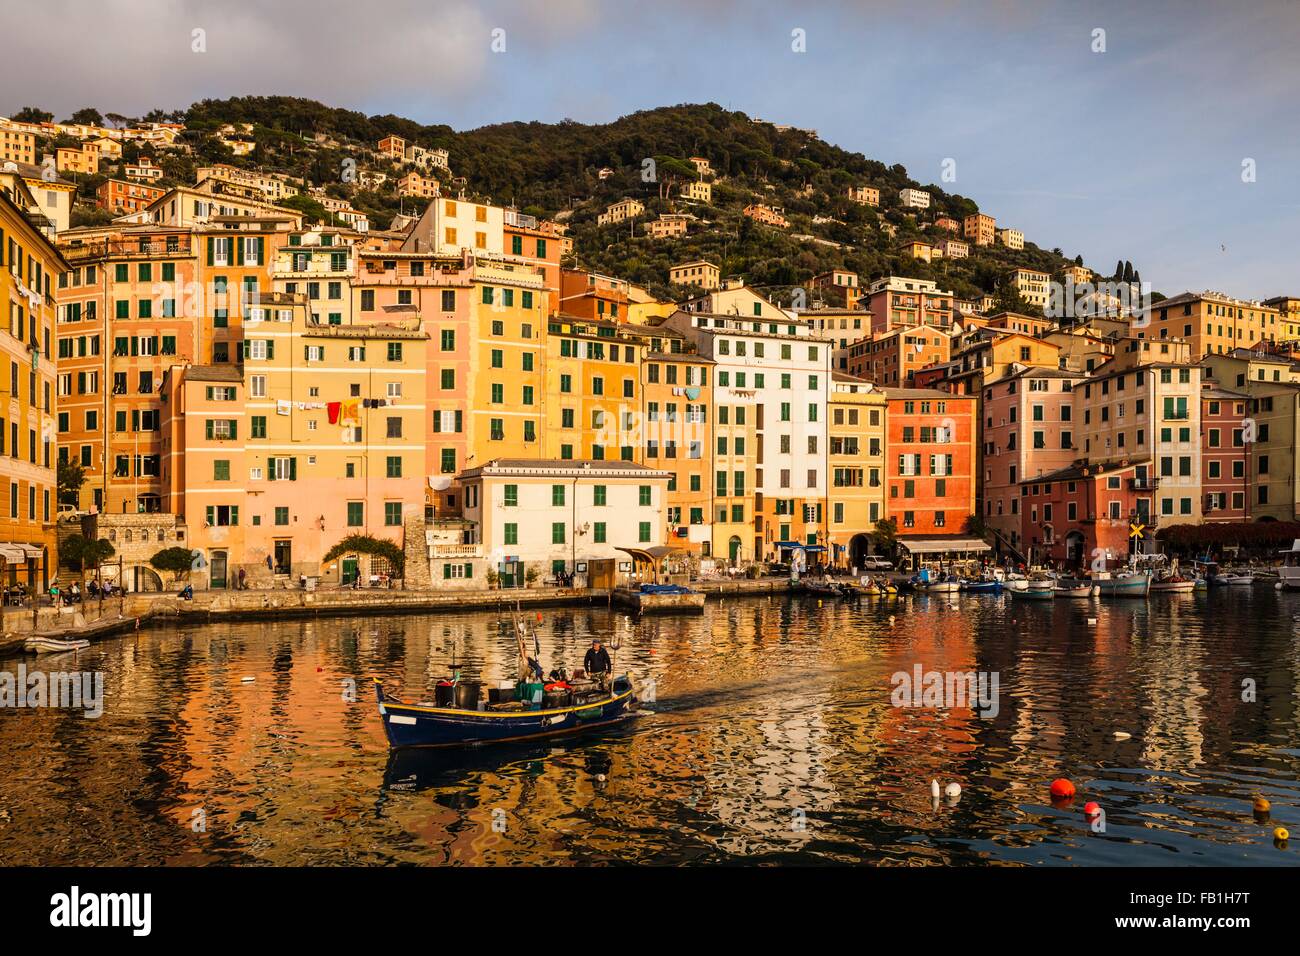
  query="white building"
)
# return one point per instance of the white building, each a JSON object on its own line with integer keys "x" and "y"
{"x": 555, "y": 516}
{"x": 450, "y": 226}
{"x": 914, "y": 198}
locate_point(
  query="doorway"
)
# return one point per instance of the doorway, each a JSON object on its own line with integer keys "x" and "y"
{"x": 351, "y": 570}
{"x": 217, "y": 571}
{"x": 283, "y": 555}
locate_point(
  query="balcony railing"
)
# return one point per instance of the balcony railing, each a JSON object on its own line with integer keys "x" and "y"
{"x": 1144, "y": 484}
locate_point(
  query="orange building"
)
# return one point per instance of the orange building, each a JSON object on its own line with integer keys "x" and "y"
{"x": 892, "y": 358}
{"x": 119, "y": 196}
{"x": 587, "y": 295}
{"x": 929, "y": 461}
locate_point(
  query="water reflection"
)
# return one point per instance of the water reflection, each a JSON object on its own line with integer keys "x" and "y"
{"x": 772, "y": 740}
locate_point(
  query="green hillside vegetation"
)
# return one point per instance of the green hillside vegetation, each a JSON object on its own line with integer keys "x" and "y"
{"x": 552, "y": 170}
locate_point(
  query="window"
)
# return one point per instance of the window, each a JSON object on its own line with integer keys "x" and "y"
{"x": 598, "y": 531}
{"x": 511, "y": 496}
{"x": 356, "y": 513}
{"x": 510, "y": 533}
{"x": 643, "y": 532}
{"x": 392, "y": 513}
{"x": 644, "y": 496}
{"x": 557, "y": 532}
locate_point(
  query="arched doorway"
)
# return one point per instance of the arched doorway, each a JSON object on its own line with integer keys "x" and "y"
{"x": 859, "y": 548}
{"x": 733, "y": 549}
{"x": 142, "y": 578}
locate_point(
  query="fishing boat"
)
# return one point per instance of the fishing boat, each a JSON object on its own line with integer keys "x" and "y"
{"x": 1288, "y": 575}
{"x": 429, "y": 725}
{"x": 822, "y": 587}
{"x": 1172, "y": 583}
{"x": 528, "y": 708}
{"x": 1235, "y": 578}
{"x": 951, "y": 586}
{"x": 1035, "y": 591}
{"x": 982, "y": 586}
{"x": 1126, "y": 584}
{"x": 52, "y": 645}
{"x": 1072, "y": 589}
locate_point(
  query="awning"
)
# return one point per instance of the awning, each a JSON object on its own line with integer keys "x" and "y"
{"x": 944, "y": 545}
{"x": 13, "y": 554}
{"x": 655, "y": 554}
{"x": 797, "y": 546}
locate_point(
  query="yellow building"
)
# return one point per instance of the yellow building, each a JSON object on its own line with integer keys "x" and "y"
{"x": 1032, "y": 286}
{"x": 29, "y": 270}
{"x": 856, "y": 459}
{"x": 698, "y": 273}
{"x": 697, "y": 191}
{"x": 1215, "y": 323}
{"x": 593, "y": 390}
{"x": 1011, "y": 238}
{"x": 620, "y": 212}
{"x": 507, "y": 375}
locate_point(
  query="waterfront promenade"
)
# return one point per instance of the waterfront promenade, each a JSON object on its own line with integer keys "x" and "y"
{"x": 93, "y": 620}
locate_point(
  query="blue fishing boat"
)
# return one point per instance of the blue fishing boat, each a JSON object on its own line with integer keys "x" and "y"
{"x": 982, "y": 587}
{"x": 1036, "y": 591}
{"x": 429, "y": 725}
{"x": 1126, "y": 584}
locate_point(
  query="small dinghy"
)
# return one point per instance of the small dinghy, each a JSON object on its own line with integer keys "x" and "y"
{"x": 1171, "y": 584}
{"x": 52, "y": 645}
{"x": 1071, "y": 588}
{"x": 1034, "y": 591}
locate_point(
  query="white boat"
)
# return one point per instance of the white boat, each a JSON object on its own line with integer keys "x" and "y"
{"x": 1289, "y": 574}
{"x": 51, "y": 645}
{"x": 941, "y": 587}
{"x": 1243, "y": 578}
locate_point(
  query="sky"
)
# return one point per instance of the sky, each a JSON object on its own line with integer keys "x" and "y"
{"x": 1171, "y": 139}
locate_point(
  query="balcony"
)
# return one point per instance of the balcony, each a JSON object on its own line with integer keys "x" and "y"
{"x": 1144, "y": 484}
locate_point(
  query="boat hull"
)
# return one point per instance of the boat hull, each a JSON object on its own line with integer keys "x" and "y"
{"x": 1082, "y": 591}
{"x": 414, "y": 725}
{"x": 983, "y": 587}
{"x": 1172, "y": 587}
{"x": 1033, "y": 593}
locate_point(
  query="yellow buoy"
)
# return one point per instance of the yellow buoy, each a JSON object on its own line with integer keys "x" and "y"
{"x": 1281, "y": 834}
{"x": 1261, "y": 805}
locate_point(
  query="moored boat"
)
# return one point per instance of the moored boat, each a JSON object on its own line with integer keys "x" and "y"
{"x": 52, "y": 645}
{"x": 1173, "y": 584}
{"x": 1070, "y": 588}
{"x": 1034, "y": 591}
{"x": 1127, "y": 584}
{"x": 978, "y": 586}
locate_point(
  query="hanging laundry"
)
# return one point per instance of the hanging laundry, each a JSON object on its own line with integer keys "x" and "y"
{"x": 332, "y": 409}
{"x": 351, "y": 414}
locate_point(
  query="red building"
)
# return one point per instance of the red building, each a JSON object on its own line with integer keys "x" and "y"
{"x": 1223, "y": 454}
{"x": 929, "y": 461}
{"x": 1072, "y": 516}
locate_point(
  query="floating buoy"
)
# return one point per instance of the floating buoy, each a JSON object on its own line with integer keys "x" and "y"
{"x": 539, "y": 617}
{"x": 1092, "y": 620}
{"x": 1278, "y": 586}
{"x": 1121, "y": 735}
{"x": 1281, "y": 835}
{"x": 1261, "y": 805}
{"x": 819, "y": 602}
{"x": 934, "y": 789}
{"x": 652, "y": 652}
{"x": 1062, "y": 789}
{"x": 600, "y": 778}
{"x": 952, "y": 791}
{"x": 891, "y": 620}
{"x": 247, "y": 680}
{"x": 1092, "y": 809}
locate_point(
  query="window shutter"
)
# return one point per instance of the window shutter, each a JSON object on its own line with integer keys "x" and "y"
{"x": 211, "y": 245}
{"x": 261, "y": 246}
{"x": 293, "y": 469}
{"x": 469, "y": 570}
{"x": 437, "y": 422}
{"x": 458, "y": 420}
{"x": 270, "y": 348}
{"x": 212, "y": 511}
{"x": 234, "y": 515}
{"x": 239, "y": 251}
{"x": 270, "y": 469}
{"x": 234, "y": 429}
{"x": 208, "y": 429}
{"x": 446, "y": 572}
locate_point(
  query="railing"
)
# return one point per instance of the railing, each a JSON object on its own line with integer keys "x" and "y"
{"x": 1144, "y": 484}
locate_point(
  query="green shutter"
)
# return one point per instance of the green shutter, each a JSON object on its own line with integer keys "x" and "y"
{"x": 270, "y": 469}
{"x": 234, "y": 429}
{"x": 211, "y": 243}
{"x": 270, "y": 348}
{"x": 293, "y": 469}
{"x": 208, "y": 431}
{"x": 446, "y": 572}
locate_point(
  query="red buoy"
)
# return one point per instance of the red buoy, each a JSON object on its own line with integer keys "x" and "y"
{"x": 1092, "y": 809}
{"x": 1062, "y": 789}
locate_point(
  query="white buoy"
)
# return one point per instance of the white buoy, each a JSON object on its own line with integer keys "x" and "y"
{"x": 1092, "y": 620}
{"x": 952, "y": 791}
{"x": 600, "y": 778}
{"x": 934, "y": 789}
{"x": 891, "y": 620}
{"x": 1121, "y": 735}
{"x": 247, "y": 680}
{"x": 1278, "y": 586}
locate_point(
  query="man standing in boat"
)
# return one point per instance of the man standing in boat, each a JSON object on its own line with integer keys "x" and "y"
{"x": 596, "y": 663}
